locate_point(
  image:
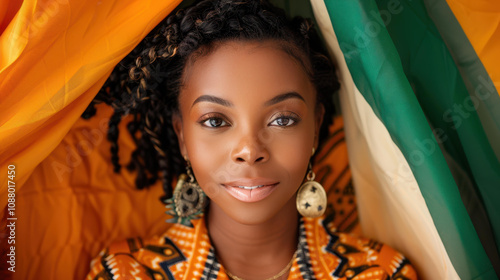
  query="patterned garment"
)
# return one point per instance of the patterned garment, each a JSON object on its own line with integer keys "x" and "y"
{"x": 186, "y": 253}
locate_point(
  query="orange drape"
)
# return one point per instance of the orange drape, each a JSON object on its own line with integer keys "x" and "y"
{"x": 480, "y": 20}
{"x": 54, "y": 56}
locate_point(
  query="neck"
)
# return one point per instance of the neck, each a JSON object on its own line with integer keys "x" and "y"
{"x": 255, "y": 251}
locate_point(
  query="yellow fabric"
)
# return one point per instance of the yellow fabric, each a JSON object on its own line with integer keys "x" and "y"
{"x": 8, "y": 8}
{"x": 73, "y": 204}
{"x": 480, "y": 20}
{"x": 54, "y": 56}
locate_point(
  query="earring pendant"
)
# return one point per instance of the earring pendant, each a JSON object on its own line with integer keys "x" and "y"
{"x": 311, "y": 197}
{"x": 187, "y": 202}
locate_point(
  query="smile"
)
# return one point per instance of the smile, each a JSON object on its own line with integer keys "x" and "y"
{"x": 250, "y": 188}
{"x": 246, "y": 191}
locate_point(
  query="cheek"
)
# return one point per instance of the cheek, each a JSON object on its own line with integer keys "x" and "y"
{"x": 292, "y": 155}
{"x": 209, "y": 156}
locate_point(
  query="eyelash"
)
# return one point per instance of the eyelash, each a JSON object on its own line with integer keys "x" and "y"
{"x": 210, "y": 117}
{"x": 290, "y": 116}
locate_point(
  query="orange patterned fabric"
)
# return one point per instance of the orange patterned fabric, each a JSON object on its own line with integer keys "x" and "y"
{"x": 186, "y": 253}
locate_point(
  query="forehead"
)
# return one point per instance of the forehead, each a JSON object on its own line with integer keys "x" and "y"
{"x": 245, "y": 68}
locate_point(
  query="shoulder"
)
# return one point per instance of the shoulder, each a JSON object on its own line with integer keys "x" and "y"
{"x": 347, "y": 256}
{"x": 119, "y": 260}
{"x": 137, "y": 258}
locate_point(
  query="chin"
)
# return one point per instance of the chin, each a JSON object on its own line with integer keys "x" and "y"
{"x": 258, "y": 213}
{"x": 251, "y": 218}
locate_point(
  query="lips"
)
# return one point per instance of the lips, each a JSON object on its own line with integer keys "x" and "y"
{"x": 250, "y": 190}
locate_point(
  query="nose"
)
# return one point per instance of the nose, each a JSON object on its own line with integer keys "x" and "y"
{"x": 250, "y": 150}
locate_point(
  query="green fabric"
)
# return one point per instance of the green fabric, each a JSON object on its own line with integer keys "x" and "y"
{"x": 482, "y": 91}
{"x": 378, "y": 73}
{"x": 475, "y": 76}
{"x": 447, "y": 104}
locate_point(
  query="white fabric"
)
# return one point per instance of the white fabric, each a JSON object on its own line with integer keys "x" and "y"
{"x": 390, "y": 204}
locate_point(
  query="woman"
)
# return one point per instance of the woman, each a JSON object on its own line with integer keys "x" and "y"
{"x": 242, "y": 96}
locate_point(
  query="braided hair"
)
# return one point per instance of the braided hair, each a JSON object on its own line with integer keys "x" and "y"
{"x": 146, "y": 83}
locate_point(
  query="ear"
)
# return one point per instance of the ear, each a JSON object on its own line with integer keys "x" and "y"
{"x": 318, "y": 120}
{"x": 177, "y": 124}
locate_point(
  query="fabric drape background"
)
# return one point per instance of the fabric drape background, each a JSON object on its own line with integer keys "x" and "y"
{"x": 419, "y": 99}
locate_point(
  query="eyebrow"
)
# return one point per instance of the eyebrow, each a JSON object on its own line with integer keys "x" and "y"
{"x": 283, "y": 97}
{"x": 226, "y": 103}
{"x": 213, "y": 99}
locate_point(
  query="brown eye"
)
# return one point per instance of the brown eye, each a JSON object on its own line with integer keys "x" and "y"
{"x": 214, "y": 122}
{"x": 284, "y": 121}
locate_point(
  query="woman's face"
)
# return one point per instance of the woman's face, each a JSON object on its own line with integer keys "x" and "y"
{"x": 248, "y": 125}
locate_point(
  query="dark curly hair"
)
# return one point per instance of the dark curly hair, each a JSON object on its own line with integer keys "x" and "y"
{"x": 146, "y": 83}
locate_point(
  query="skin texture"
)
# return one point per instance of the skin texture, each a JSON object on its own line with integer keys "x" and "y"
{"x": 253, "y": 138}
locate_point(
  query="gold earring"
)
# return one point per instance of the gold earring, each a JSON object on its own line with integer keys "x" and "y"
{"x": 188, "y": 201}
{"x": 311, "y": 197}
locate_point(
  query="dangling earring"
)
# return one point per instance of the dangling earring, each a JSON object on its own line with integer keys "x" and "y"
{"x": 311, "y": 197}
{"x": 188, "y": 201}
